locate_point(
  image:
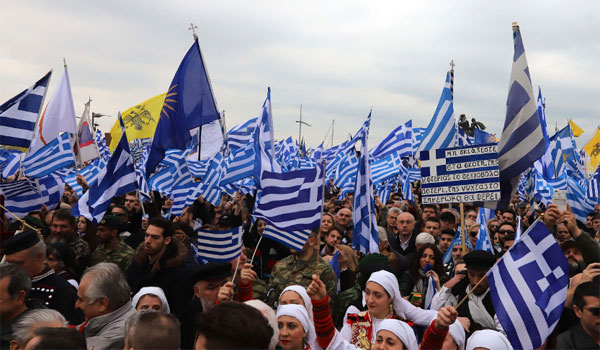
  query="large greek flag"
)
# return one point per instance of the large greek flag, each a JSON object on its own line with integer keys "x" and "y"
{"x": 117, "y": 178}
{"x": 292, "y": 239}
{"x": 441, "y": 131}
{"x": 239, "y": 164}
{"x": 522, "y": 141}
{"x": 528, "y": 286}
{"x": 580, "y": 204}
{"x": 220, "y": 245}
{"x": 365, "y": 238}
{"x": 56, "y": 155}
{"x": 398, "y": 141}
{"x": 23, "y": 196}
{"x": 18, "y": 115}
{"x": 242, "y": 134}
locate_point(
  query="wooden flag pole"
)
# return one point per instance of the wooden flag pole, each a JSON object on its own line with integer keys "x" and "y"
{"x": 462, "y": 228}
{"x": 470, "y": 292}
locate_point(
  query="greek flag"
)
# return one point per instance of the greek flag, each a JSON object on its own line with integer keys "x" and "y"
{"x": 242, "y": 134}
{"x": 441, "y": 131}
{"x": 210, "y": 185}
{"x": 56, "y": 155}
{"x": 19, "y": 115}
{"x": 291, "y": 201}
{"x": 483, "y": 240}
{"x": 456, "y": 241}
{"x": 365, "y": 238}
{"x": 220, "y": 245}
{"x": 293, "y": 239}
{"x": 24, "y": 196}
{"x": 239, "y": 164}
{"x": 544, "y": 165}
{"x": 563, "y": 151}
{"x": 173, "y": 179}
{"x": 593, "y": 188}
{"x": 101, "y": 143}
{"x": 418, "y": 137}
{"x": 522, "y": 141}
{"x": 577, "y": 199}
{"x": 264, "y": 146}
{"x": 462, "y": 139}
{"x": 528, "y": 286}
{"x": 89, "y": 173}
{"x": 385, "y": 168}
{"x": 398, "y": 141}
{"x": 198, "y": 168}
{"x": 384, "y": 191}
{"x": 117, "y": 178}
{"x": 346, "y": 172}
{"x": 9, "y": 162}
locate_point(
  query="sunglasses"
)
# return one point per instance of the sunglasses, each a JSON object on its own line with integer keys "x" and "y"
{"x": 503, "y": 232}
{"x": 456, "y": 249}
{"x": 593, "y": 310}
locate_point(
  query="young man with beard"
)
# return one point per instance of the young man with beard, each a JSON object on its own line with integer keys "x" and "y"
{"x": 573, "y": 256}
{"x": 161, "y": 261}
{"x": 63, "y": 230}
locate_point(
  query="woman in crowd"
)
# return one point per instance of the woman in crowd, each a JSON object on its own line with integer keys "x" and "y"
{"x": 60, "y": 257}
{"x": 150, "y": 298}
{"x": 297, "y": 295}
{"x": 87, "y": 231}
{"x": 327, "y": 222}
{"x": 428, "y": 263}
{"x": 296, "y": 330}
{"x": 383, "y": 300}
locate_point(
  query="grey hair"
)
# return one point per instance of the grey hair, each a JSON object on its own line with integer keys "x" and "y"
{"x": 24, "y": 327}
{"x": 37, "y": 249}
{"x": 270, "y": 315}
{"x": 18, "y": 279}
{"x": 395, "y": 210}
{"x": 107, "y": 281}
{"x": 382, "y": 234}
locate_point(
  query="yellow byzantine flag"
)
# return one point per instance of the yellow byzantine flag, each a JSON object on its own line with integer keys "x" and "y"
{"x": 140, "y": 121}
{"x": 577, "y": 131}
{"x": 592, "y": 148}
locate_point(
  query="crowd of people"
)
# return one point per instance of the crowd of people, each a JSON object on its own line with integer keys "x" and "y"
{"x": 134, "y": 280}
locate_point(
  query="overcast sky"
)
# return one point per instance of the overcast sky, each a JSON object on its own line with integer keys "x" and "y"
{"x": 336, "y": 58}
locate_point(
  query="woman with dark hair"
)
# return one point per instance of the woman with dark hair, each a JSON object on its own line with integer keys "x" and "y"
{"x": 60, "y": 257}
{"x": 87, "y": 231}
{"x": 268, "y": 252}
{"x": 427, "y": 262}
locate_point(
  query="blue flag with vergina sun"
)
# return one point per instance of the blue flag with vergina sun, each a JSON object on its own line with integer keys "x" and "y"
{"x": 189, "y": 104}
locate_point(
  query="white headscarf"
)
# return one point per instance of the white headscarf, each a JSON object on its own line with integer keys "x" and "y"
{"x": 302, "y": 292}
{"x": 389, "y": 282}
{"x": 402, "y": 330}
{"x": 157, "y": 291}
{"x": 457, "y": 332}
{"x": 488, "y": 339}
{"x": 298, "y": 312}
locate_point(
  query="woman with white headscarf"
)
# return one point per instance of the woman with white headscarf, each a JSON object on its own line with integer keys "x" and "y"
{"x": 444, "y": 333}
{"x": 150, "y": 298}
{"x": 296, "y": 294}
{"x": 488, "y": 339}
{"x": 395, "y": 335}
{"x": 383, "y": 300}
{"x": 296, "y": 331}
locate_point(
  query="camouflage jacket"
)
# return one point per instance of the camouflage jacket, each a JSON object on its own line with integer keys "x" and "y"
{"x": 122, "y": 255}
{"x": 290, "y": 271}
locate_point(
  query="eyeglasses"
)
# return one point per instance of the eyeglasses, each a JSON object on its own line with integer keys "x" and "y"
{"x": 503, "y": 232}
{"x": 593, "y": 310}
{"x": 456, "y": 249}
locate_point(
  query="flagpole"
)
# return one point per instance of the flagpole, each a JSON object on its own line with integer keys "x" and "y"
{"x": 322, "y": 213}
{"x": 470, "y": 292}
{"x": 256, "y": 248}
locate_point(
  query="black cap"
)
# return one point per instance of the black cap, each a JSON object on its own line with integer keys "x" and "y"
{"x": 225, "y": 220}
{"x": 111, "y": 221}
{"x": 479, "y": 260}
{"x": 22, "y": 241}
{"x": 213, "y": 271}
{"x": 568, "y": 244}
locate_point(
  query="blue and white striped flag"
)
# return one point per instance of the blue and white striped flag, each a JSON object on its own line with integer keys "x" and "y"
{"x": 117, "y": 178}
{"x": 365, "y": 237}
{"x": 441, "y": 131}
{"x": 24, "y": 196}
{"x": 238, "y": 165}
{"x": 385, "y": 168}
{"x": 346, "y": 173}
{"x": 264, "y": 145}
{"x": 291, "y": 201}
{"x": 220, "y": 245}
{"x": 399, "y": 141}
{"x": 462, "y": 139}
{"x": 89, "y": 173}
{"x": 242, "y": 134}
{"x": 593, "y": 188}
{"x": 18, "y": 115}
{"x": 56, "y": 155}
{"x": 292, "y": 239}
{"x": 577, "y": 199}
{"x": 528, "y": 286}
{"x": 544, "y": 165}
{"x": 102, "y": 147}
{"x": 483, "y": 239}
{"x": 456, "y": 241}
{"x": 9, "y": 162}
{"x": 522, "y": 141}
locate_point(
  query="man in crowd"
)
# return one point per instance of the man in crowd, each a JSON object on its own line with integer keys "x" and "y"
{"x": 586, "y": 305}
{"x": 448, "y": 220}
{"x": 433, "y": 227}
{"x": 47, "y": 288}
{"x": 63, "y": 230}
{"x": 508, "y": 215}
{"x": 162, "y": 262}
{"x": 391, "y": 227}
{"x": 15, "y": 284}
{"x": 404, "y": 242}
{"x": 152, "y": 330}
{"x": 343, "y": 219}
{"x": 104, "y": 297}
{"x": 446, "y": 237}
{"x": 333, "y": 238}
{"x": 33, "y": 319}
{"x": 111, "y": 248}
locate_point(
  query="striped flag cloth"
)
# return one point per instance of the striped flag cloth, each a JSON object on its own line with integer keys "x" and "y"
{"x": 18, "y": 115}
{"x": 117, "y": 178}
{"x": 264, "y": 145}
{"x": 291, "y": 201}
{"x": 198, "y": 168}
{"x": 242, "y": 134}
{"x": 89, "y": 173}
{"x": 544, "y": 165}
{"x": 23, "y": 196}
{"x": 210, "y": 184}
{"x": 220, "y": 245}
{"x": 441, "y": 131}
{"x": 346, "y": 173}
{"x": 456, "y": 241}
{"x": 9, "y": 162}
{"x": 528, "y": 286}
{"x": 238, "y": 165}
{"x": 365, "y": 237}
{"x": 292, "y": 239}
{"x": 56, "y": 155}
{"x": 593, "y": 188}
{"x": 399, "y": 141}
{"x": 102, "y": 147}
{"x": 173, "y": 179}
{"x": 385, "y": 168}
{"x": 580, "y": 204}
{"x": 462, "y": 139}
{"x": 522, "y": 141}
{"x": 418, "y": 137}
{"x": 483, "y": 238}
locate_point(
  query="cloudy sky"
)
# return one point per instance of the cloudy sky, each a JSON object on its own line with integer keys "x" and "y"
{"x": 336, "y": 58}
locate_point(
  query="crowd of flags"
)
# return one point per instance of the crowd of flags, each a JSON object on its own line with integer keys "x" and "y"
{"x": 156, "y": 149}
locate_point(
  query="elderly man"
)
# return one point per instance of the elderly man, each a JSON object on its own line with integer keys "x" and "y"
{"x": 390, "y": 221}
{"x": 343, "y": 218}
{"x": 152, "y": 330}
{"x": 404, "y": 241}
{"x": 15, "y": 284}
{"x": 104, "y": 298}
{"x": 47, "y": 288}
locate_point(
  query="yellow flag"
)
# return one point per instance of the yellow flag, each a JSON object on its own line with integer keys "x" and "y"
{"x": 592, "y": 148}
{"x": 140, "y": 121}
{"x": 577, "y": 131}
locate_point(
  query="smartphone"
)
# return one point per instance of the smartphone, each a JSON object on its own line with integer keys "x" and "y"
{"x": 560, "y": 199}
{"x": 415, "y": 297}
